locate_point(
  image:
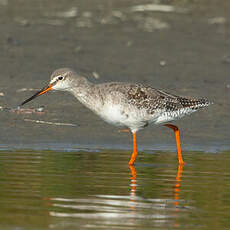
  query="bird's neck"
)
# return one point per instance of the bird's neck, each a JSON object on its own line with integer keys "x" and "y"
{"x": 82, "y": 89}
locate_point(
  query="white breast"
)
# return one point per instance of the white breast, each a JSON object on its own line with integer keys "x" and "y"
{"x": 113, "y": 114}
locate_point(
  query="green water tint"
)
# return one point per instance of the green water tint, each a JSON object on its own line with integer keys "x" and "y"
{"x": 97, "y": 190}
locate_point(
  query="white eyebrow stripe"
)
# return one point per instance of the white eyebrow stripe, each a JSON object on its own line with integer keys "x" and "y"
{"x": 54, "y": 79}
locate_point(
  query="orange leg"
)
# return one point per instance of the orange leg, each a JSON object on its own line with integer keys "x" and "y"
{"x": 177, "y": 134}
{"x": 134, "y": 154}
{"x": 133, "y": 172}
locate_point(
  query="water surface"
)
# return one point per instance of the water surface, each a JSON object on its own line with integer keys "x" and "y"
{"x": 97, "y": 190}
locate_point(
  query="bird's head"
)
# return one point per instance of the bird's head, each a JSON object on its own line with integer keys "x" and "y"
{"x": 60, "y": 80}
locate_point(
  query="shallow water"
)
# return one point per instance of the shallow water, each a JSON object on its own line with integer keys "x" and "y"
{"x": 97, "y": 190}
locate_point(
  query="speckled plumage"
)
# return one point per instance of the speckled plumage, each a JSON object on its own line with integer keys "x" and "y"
{"x": 139, "y": 105}
{"x": 125, "y": 104}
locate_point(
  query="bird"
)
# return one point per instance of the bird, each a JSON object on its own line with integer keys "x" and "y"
{"x": 130, "y": 105}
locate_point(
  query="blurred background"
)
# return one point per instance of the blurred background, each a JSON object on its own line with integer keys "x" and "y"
{"x": 179, "y": 46}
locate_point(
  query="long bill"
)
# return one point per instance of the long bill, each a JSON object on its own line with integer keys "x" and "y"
{"x": 42, "y": 91}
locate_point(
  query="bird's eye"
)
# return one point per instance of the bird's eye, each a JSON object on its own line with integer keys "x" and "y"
{"x": 60, "y": 78}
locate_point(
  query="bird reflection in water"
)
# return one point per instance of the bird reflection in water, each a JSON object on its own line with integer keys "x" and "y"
{"x": 176, "y": 190}
{"x": 177, "y": 186}
{"x": 133, "y": 185}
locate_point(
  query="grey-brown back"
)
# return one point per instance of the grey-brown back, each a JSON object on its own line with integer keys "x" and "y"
{"x": 148, "y": 98}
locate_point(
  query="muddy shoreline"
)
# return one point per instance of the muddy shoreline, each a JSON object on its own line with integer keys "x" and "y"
{"x": 186, "y": 53}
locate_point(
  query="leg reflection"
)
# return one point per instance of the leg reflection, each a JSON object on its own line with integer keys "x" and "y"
{"x": 133, "y": 180}
{"x": 133, "y": 184}
{"x": 177, "y": 188}
{"x": 177, "y": 185}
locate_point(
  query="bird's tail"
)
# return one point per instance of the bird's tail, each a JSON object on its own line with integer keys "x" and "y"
{"x": 194, "y": 104}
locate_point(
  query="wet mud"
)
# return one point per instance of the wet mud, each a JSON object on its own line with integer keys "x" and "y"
{"x": 179, "y": 46}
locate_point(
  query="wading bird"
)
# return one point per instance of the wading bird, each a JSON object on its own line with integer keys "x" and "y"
{"x": 125, "y": 104}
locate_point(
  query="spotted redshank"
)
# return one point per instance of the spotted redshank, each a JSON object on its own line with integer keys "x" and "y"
{"x": 125, "y": 104}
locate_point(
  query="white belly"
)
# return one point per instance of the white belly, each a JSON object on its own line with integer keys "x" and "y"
{"x": 114, "y": 114}
{"x": 121, "y": 116}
